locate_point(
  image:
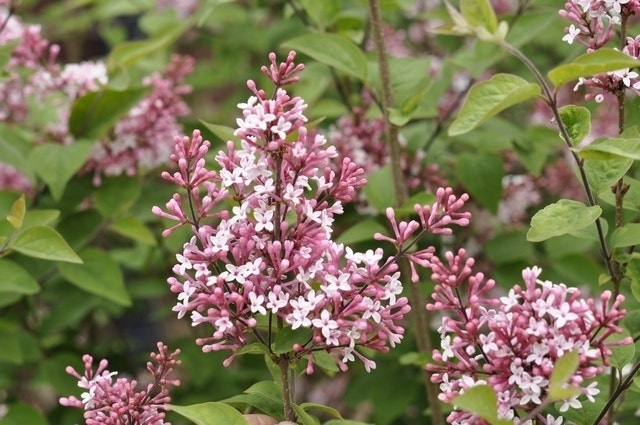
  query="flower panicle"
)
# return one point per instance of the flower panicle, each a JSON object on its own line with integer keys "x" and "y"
{"x": 110, "y": 401}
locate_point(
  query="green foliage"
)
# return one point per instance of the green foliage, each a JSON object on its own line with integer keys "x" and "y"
{"x": 481, "y": 174}
{"x": 211, "y": 413}
{"x": 561, "y": 218}
{"x": 379, "y": 191}
{"x": 564, "y": 368}
{"x": 601, "y": 60}
{"x": 488, "y": 98}
{"x": 577, "y": 120}
{"x": 481, "y": 401}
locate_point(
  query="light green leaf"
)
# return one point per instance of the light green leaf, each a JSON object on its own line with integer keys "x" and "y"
{"x": 46, "y": 243}
{"x": 379, "y": 190}
{"x": 40, "y": 218}
{"x": 286, "y": 337}
{"x": 253, "y": 348}
{"x": 479, "y": 13}
{"x": 627, "y": 235}
{"x": 621, "y": 355}
{"x": 18, "y": 210}
{"x": 14, "y": 278}
{"x": 325, "y": 361}
{"x": 612, "y": 149}
{"x": 322, "y": 13}
{"x": 132, "y": 228}
{"x": 481, "y": 174}
{"x": 564, "y": 368}
{"x": 99, "y": 275}
{"x": 211, "y": 413}
{"x": 602, "y": 60}
{"x": 95, "y": 113}
{"x": 56, "y": 164}
{"x": 304, "y": 417}
{"x": 322, "y": 408}
{"x": 222, "y": 132}
{"x": 561, "y": 218}
{"x": 605, "y": 173}
{"x": 332, "y": 50}
{"x": 481, "y": 401}
{"x": 21, "y": 414}
{"x": 361, "y": 232}
{"x": 116, "y": 195}
{"x": 488, "y": 98}
{"x": 577, "y": 120}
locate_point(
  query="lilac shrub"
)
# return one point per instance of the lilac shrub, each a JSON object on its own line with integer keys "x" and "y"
{"x": 512, "y": 343}
{"x": 262, "y": 249}
{"x": 118, "y": 401}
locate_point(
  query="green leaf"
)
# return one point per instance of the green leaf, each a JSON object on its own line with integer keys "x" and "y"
{"x": 56, "y": 164}
{"x": 322, "y": 13}
{"x": 564, "y": 368}
{"x": 253, "y": 348}
{"x": 332, "y": 50}
{"x": 612, "y": 149}
{"x": 124, "y": 55}
{"x": 344, "y": 422}
{"x": 322, "y": 408}
{"x": 116, "y": 195}
{"x": 211, "y": 413}
{"x": 265, "y": 396}
{"x": 95, "y": 113}
{"x": 18, "y": 210}
{"x": 577, "y": 120}
{"x": 605, "y": 173}
{"x": 40, "y": 218}
{"x": 561, "y": 218}
{"x": 627, "y": 235}
{"x": 488, "y": 98}
{"x": 621, "y": 355}
{"x": 304, "y": 417}
{"x": 481, "y": 174}
{"x": 379, "y": 190}
{"x": 286, "y": 337}
{"x": 479, "y": 13}
{"x": 222, "y": 132}
{"x": 133, "y": 228}
{"x": 44, "y": 242}
{"x": 14, "y": 278}
{"x": 268, "y": 389}
{"x": 420, "y": 198}
{"x": 602, "y": 60}
{"x": 508, "y": 248}
{"x": 10, "y": 336}
{"x": 587, "y": 414}
{"x": 22, "y": 413}
{"x": 325, "y": 361}
{"x": 99, "y": 275}
{"x": 361, "y": 232}
{"x": 481, "y": 401}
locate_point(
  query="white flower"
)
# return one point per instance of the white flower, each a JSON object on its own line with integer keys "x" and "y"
{"x": 325, "y": 323}
{"x": 256, "y": 303}
{"x": 572, "y": 33}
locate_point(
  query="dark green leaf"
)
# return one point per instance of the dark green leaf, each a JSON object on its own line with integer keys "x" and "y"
{"x": 11, "y": 350}
{"x": 379, "y": 190}
{"x": 508, "y": 247}
{"x": 95, "y": 113}
{"x": 133, "y": 228}
{"x": 621, "y": 355}
{"x": 481, "y": 174}
{"x": 14, "y": 278}
{"x": 44, "y": 242}
{"x": 361, "y": 232}
{"x": 561, "y": 218}
{"x": 21, "y": 414}
{"x": 222, "y": 132}
{"x": 332, "y": 50}
{"x": 116, "y": 195}
{"x": 322, "y": 408}
{"x": 304, "y": 417}
{"x": 99, "y": 275}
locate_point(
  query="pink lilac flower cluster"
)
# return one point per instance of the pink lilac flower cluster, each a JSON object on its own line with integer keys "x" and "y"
{"x": 512, "y": 343}
{"x": 593, "y": 24}
{"x": 141, "y": 140}
{"x": 110, "y": 401}
{"x": 262, "y": 257}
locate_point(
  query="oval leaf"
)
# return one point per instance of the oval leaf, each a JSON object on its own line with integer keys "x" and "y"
{"x": 577, "y": 120}
{"x": 488, "y": 98}
{"x": 361, "y": 232}
{"x": 210, "y": 413}
{"x": 18, "y": 210}
{"x": 479, "y": 13}
{"x": 333, "y": 50}
{"x": 481, "y": 174}
{"x": 564, "y": 368}
{"x": 612, "y": 149}
{"x": 481, "y": 401}
{"x": 134, "y": 229}
{"x": 56, "y": 164}
{"x": 602, "y": 60}
{"x": 14, "y": 278}
{"x": 627, "y": 235}
{"x": 99, "y": 275}
{"x": 563, "y": 217}
{"x": 44, "y": 242}
{"x": 379, "y": 190}
{"x": 604, "y": 174}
